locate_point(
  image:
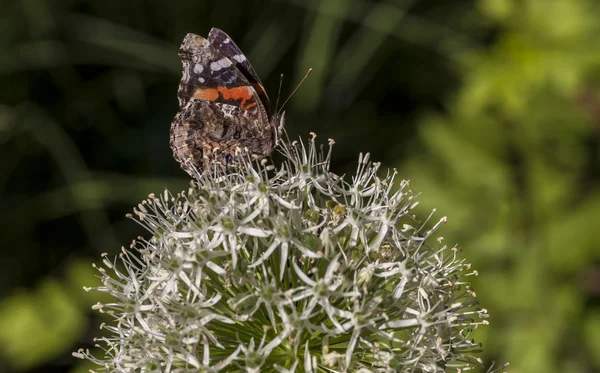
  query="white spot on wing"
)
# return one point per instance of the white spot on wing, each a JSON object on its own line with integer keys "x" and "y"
{"x": 220, "y": 64}
{"x": 227, "y": 110}
{"x": 185, "y": 76}
{"x": 201, "y": 80}
{"x": 198, "y": 68}
{"x": 239, "y": 58}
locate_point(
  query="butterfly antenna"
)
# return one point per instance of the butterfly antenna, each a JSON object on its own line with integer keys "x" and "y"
{"x": 279, "y": 92}
{"x": 298, "y": 86}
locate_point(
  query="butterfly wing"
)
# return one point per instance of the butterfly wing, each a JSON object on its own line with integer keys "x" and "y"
{"x": 221, "y": 41}
{"x": 221, "y": 116}
{"x": 209, "y": 75}
{"x": 208, "y": 132}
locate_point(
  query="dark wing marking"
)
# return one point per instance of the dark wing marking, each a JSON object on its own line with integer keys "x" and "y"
{"x": 220, "y": 40}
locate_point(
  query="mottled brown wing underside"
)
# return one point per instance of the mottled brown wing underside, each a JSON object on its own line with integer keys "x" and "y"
{"x": 206, "y": 132}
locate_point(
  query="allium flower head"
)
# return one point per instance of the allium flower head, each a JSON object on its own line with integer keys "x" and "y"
{"x": 287, "y": 269}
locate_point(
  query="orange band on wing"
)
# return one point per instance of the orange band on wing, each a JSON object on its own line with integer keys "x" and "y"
{"x": 207, "y": 94}
{"x": 242, "y": 94}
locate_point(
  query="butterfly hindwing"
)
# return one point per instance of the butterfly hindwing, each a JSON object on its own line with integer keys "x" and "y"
{"x": 205, "y": 132}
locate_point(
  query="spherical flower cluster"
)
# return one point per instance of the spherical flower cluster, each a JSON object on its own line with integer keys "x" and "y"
{"x": 293, "y": 268}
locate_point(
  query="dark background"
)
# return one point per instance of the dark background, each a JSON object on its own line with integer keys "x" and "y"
{"x": 490, "y": 107}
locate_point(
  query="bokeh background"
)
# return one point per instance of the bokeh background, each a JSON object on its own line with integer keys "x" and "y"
{"x": 490, "y": 107}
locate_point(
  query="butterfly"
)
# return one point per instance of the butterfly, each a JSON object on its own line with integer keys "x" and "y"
{"x": 224, "y": 111}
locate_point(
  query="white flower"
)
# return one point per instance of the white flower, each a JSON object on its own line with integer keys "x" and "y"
{"x": 310, "y": 264}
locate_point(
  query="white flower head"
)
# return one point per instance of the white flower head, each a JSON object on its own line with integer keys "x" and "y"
{"x": 294, "y": 268}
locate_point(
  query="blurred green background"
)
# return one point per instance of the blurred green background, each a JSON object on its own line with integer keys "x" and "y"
{"x": 490, "y": 107}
